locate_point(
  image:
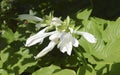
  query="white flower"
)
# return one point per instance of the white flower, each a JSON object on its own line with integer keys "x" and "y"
{"x": 47, "y": 49}
{"x": 38, "y": 38}
{"x": 66, "y": 43}
{"x": 54, "y": 40}
{"x": 89, "y": 37}
{"x": 29, "y": 17}
{"x": 64, "y": 40}
{"x": 56, "y": 21}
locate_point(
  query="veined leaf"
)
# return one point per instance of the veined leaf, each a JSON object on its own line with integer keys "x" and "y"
{"x": 112, "y": 31}
{"x": 112, "y": 51}
{"x": 109, "y": 51}
{"x": 94, "y": 28}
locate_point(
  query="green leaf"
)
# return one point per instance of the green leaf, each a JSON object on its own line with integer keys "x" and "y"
{"x": 111, "y": 36}
{"x": 4, "y": 55}
{"x": 16, "y": 59}
{"x": 84, "y": 15}
{"x": 103, "y": 68}
{"x": 8, "y": 34}
{"x": 108, "y": 40}
{"x": 111, "y": 51}
{"x": 96, "y": 28}
{"x": 65, "y": 72}
{"x": 25, "y": 59}
{"x": 112, "y": 32}
{"x": 46, "y": 70}
{"x": 3, "y": 72}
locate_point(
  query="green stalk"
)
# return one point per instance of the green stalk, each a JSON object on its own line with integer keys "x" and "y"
{"x": 80, "y": 55}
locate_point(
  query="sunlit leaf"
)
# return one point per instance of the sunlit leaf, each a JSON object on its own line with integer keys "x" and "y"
{"x": 46, "y": 70}
{"x": 8, "y": 34}
{"x": 64, "y": 72}
{"x": 3, "y": 72}
{"x": 111, "y": 51}
{"x": 84, "y": 15}
{"x": 112, "y": 32}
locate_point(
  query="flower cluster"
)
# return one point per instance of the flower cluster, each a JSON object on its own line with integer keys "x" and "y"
{"x": 60, "y": 33}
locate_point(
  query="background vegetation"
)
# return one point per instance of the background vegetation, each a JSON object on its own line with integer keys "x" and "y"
{"x": 104, "y": 24}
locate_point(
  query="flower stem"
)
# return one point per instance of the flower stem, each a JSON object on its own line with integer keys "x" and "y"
{"x": 79, "y": 53}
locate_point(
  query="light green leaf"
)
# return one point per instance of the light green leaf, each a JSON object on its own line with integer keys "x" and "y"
{"x": 46, "y": 70}
{"x": 112, "y": 31}
{"x": 16, "y": 61}
{"x": 93, "y": 27}
{"x": 111, "y": 51}
{"x": 4, "y": 55}
{"x": 3, "y": 72}
{"x": 102, "y": 68}
{"x": 65, "y": 72}
{"x": 8, "y": 34}
{"x": 84, "y": 15}
{"x": 26, "y": 59}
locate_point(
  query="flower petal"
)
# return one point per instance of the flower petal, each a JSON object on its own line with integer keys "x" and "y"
{"x": 69, "y": 48}
{"x": 56, "y": 21}
{"x": 66, "y": 48}
{"x": 89, "y": 37}
{"x": 55, "y": 36}
{"x": 39, "y": 25}
{"x": 75, "y": 42}
{"x": 65, "y": 44}
{"x": 29, "y": 17}
{"x": 62, "y": 40}
{"x": 39, "y": 37}
{"x": 47, "y": 49}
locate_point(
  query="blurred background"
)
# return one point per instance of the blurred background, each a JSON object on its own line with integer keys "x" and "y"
{"x": 10, "y": 9}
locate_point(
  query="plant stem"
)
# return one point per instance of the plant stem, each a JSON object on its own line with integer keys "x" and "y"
{"x": 81, "y": 56}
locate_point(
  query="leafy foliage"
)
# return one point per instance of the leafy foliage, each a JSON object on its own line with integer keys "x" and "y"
{"x": 101, "y": 58}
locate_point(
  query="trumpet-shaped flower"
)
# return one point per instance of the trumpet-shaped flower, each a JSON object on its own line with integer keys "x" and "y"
{"x": 37, "y": 38}
{"x": 66, "y": 43}
{"x": 54, "y": 40}
{"x": 89, "y": 37}
{"x": 64, "y": 39}
{"x": 47, "y": 49}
